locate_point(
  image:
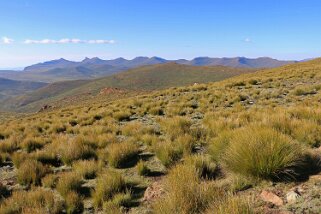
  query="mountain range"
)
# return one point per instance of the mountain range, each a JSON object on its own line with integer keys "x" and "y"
{"x": 90, "y": 68}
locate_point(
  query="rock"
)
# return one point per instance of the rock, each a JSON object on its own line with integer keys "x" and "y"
{"x": 315, "y": 177}
{"x": 271, "y": 197}
{"x": 292, "y": 196}
{"x": 153, "y": 192}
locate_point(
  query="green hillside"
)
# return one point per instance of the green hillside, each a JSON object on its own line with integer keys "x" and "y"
{"x": 248, "y": 144}
{"x": 140, "y": 79}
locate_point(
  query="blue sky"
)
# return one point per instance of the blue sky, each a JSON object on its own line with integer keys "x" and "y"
{"x": 37, "y": 30}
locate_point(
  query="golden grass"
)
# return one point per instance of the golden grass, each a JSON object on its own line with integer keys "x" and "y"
{"x": 108, "y": 184}
{"x": 119, "y": 154}
{"x": 31, "y": 172}
{"x": 263, "y": 153}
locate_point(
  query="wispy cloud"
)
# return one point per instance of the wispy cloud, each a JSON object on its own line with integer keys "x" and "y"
{"x": 68, "y": 41}
{"x": 248, "y": 40}
{"x": 6, "y": 40}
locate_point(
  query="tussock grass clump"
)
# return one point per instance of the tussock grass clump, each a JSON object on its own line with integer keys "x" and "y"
{"x": 34, "y": 201}
{"x": 31, "y": 172}
{"x": 264, "y": 153}
{"x": 231, "y": 204}
{"x": 122, "y": 116}
{"x": 206, "y": 168}
{"x": 176, "y": 126}
{"x": 10, "y": 144}
{"x": 186, "y": 193}
{"x": 118, "y": 201}
{"x": 75, "y": 150}
{"x": 58, "y": 128}
{"x": 50, "y": 181}
{"x": 108, "y": 184}
{"x": 31, "y": 144}
{"x": 87, "y": 168}
{"x": 168, "y": 153}
{"x": 18, "y": 158}
{"x": 219, "y": 144}
{"x": 47, "y": 156}
{"x": 156, "y": 111}
{"x": 119, "y": 154}
{"x": 308, "y": 133}
{"x": 74, "y": 203}
{"x": 69, "y": 182}
{"x": 142, "y": 168}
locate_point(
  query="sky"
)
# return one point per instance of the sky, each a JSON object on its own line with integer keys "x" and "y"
{"x": 33, "y": 31}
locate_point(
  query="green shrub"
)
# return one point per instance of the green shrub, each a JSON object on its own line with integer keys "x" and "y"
{"x": 262, "y": 152}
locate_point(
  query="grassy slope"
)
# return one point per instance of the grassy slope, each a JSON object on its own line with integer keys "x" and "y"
{"x": 283, "y": 103}
{"x": 145, "y": 78}
{"x": 9, "y": 88}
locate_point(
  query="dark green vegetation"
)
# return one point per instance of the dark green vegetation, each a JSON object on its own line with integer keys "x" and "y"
{"x": 204, "y": 148}
{"x": 147, "y": 78}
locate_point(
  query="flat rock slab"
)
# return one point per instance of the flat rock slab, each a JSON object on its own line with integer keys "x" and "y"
{"x": 271, "y": 197}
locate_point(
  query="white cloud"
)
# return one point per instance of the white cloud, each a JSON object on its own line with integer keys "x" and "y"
{"x": 248, "y": 40}
{"x": 6, "y": 40}
{"x": 68, "y": 41}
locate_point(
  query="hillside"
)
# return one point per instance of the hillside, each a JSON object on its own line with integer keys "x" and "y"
{"x": 145, "y": 78}
{"x": 62, "y": 69}
{"x": 10, "y": 88}
{"x": 248, "y": 144}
